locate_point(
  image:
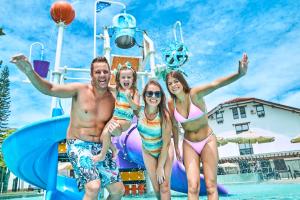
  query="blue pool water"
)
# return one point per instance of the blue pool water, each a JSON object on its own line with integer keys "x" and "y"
{"x": 258, "y": 191}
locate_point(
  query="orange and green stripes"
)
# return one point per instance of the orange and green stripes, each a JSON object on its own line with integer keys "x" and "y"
{"x": 151, "y": 134}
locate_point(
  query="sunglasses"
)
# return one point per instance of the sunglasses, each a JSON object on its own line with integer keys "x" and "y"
{"x": 156, "y": 94}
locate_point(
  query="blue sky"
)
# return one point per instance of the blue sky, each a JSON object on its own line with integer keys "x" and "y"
{"x": 215, "y": 32}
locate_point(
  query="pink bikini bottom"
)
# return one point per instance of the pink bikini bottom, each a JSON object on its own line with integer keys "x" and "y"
{"x": 198, "y": 146}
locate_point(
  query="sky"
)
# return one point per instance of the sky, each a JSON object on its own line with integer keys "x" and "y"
{"x": 215, "y": 32}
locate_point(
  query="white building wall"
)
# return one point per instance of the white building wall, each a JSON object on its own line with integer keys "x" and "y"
{"x": 22, "y": 185}
{"x": 277, "y": 122}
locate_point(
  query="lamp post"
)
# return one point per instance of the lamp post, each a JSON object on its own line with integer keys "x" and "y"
{"x": 63, "y": 14}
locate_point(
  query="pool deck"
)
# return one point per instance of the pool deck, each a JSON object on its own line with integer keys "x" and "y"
{"x": 12, "y": 195}
{"x": 283, "y": 181}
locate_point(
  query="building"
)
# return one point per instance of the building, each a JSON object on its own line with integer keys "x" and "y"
{"x": 251, "y": 114}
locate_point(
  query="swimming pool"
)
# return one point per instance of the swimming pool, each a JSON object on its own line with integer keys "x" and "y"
{"x": 265, "y": 191}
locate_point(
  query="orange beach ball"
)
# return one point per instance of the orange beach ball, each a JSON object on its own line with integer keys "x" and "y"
{"x": 62, "y": 11}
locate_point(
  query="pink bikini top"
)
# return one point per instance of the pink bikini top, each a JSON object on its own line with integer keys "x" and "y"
{"x": 194, "y": 113}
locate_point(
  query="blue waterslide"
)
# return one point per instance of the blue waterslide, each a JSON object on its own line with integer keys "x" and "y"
{"x": 31, "y": 153}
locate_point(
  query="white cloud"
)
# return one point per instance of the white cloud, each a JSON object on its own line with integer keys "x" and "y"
{"x": 216, "y": 35}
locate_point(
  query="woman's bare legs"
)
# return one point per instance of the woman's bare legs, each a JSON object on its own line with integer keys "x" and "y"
{"x": 192, "y": 167}
{"x": 165, "y": 189}
{"x": 209, "y": 157}
{"x": 151, "y": 165}
{"x": 162, "y": 191}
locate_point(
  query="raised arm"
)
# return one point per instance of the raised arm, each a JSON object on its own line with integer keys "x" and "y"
{"x": 175, "y": 129}
{"x": 166, "y": 138}
{"x": 44, "y": 86}
{"x": 203, "y": 90}
{"x": 134, "y": 100}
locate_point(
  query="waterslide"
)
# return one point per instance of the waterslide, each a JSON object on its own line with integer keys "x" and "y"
{"x": 31, "y": 154}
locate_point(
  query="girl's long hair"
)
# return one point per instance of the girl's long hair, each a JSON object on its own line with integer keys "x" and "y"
{"x": 181, "y": 79}
{"x": 162, "y": 108}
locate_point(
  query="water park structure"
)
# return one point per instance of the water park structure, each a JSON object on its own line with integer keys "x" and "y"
{"x": 37, "y": 163}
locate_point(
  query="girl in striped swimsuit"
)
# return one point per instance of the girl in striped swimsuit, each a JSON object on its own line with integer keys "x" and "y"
{"x": 154, "y": 126}
{"x": 127, "y": 100}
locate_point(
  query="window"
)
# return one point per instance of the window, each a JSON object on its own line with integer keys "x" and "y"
{"x": 235, "y": 113}
{"x": 243, "y": 112}
{"x": 246, "y": 149}
{"x": 241, "y": 127}
{"x": 260, "y": 111}
{"x": 219, "y": 117}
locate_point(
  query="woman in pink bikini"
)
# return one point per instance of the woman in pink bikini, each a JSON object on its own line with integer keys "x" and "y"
{"x": 188, "y": 108}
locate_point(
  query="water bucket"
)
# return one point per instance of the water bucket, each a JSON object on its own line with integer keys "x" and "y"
{"x": 41, "y": 67}
{"x": 124, "y": 25}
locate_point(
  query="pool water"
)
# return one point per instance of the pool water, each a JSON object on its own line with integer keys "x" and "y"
{"x": 263, "y": 191}
{"x": 260, "y": 191}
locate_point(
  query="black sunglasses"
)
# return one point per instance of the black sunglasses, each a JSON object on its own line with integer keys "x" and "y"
{"x": 156, "y": 94}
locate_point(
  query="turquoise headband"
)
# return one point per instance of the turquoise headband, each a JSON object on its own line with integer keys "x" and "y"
{"x": 127, "y": 65}
{"x": 163, "y": 73}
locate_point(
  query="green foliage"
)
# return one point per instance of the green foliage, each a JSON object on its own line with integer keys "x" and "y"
{"x": 4, "y": 99}
{"x": 2, "y": 138}
{"x": 4, "y": 107}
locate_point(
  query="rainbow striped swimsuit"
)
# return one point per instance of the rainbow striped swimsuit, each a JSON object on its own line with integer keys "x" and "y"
{"x": 122, "y": 109}
{"x": 150, "y": 132}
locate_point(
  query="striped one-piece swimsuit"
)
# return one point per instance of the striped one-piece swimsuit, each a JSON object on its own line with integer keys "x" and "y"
{"x": 151, "y": 134}
{"x": 122, "y": 109}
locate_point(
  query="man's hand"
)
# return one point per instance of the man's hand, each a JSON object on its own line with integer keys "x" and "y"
{"x": 22, "y": 63}
{"x": 243, "y": 65}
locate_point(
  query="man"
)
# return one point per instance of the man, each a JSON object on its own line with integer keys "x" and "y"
{"x": 92, "y": 108}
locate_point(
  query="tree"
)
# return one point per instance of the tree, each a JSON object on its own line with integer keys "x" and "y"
{"x": 4, "y": 99}
{"x": 4, "y": 171}
{"x": 4, "y": 130}
{"x": 2, "y": 138}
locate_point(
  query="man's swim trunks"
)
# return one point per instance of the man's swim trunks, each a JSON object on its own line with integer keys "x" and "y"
{"x": 80, "y": 154}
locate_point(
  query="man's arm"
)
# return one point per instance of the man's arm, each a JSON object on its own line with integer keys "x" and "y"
{"x": 44, "y": 86}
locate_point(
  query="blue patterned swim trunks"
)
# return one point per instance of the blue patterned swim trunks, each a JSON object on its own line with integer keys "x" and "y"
{"x": 80, "y": 154}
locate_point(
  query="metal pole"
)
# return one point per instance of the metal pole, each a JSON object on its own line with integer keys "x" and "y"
{"x": 30, "y": 50}
{"x": 178, "y": 23}
{"x": 56, "y": 73}
{"x": 65, "y": 69}
{"x": 151, "y": 54}
{"x": 95, "y": 27}
{"x": 106, "y": 45}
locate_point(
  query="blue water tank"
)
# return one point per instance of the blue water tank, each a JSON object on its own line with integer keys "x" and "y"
{"x": 125, "y": 26}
